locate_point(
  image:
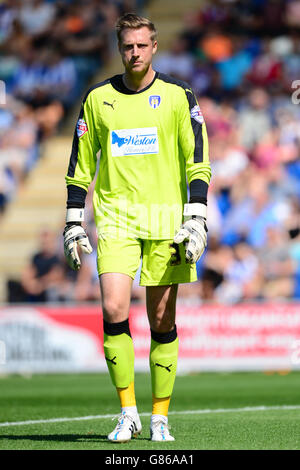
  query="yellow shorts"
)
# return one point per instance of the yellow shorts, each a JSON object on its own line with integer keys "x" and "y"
{"x": 163, "y": 262}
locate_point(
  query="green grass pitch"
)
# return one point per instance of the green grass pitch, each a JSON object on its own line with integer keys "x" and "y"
{"x": 44, "y": 397}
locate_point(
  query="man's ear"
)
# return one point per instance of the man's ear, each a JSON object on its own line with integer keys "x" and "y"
{"x": 154, "y": 47}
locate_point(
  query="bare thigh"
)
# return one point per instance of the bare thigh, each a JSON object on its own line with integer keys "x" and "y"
{"x": 115, "y": 294}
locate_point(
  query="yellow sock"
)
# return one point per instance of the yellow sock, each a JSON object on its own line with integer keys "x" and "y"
{"x": 160, "y": 406}
{"x": 127, "y": 395}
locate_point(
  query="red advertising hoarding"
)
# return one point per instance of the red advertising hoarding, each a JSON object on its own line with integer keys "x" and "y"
{"x": 211, "y": 337}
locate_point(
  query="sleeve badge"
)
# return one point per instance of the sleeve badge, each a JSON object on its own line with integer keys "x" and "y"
{"x": 81, "y": 127}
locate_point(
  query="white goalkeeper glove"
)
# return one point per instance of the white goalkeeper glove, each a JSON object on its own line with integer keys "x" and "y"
{"x": 193, "y": 230}
{"x": 74, "y": 237}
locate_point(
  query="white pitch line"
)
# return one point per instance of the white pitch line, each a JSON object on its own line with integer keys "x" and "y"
{"x": 183, "y": 412}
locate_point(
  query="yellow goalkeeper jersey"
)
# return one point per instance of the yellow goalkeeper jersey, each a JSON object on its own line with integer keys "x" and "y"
{"x": 152, "y": 142}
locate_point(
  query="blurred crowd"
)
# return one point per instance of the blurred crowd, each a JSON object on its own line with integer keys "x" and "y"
{"x": 242, "y": 60}
{"x": 49, "y": 50}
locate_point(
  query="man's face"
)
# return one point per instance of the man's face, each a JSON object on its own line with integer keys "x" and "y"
{"x": 136, "y": 49}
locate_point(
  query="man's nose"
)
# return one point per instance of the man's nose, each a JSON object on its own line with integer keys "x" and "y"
{"x": 135, "y": 51}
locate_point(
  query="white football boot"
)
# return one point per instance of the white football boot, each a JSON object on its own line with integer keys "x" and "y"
{"x": 129, "y": 425}
{"x": 159, "y": 429}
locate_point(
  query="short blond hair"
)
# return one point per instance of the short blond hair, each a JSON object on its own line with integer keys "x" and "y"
{"x": 133, "y": 21}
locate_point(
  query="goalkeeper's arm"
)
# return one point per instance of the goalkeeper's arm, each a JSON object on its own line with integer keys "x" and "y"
{"x": 74, "y": 234}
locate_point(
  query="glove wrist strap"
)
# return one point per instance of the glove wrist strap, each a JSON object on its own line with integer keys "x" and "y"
{"x": 74, "y": 215}
{"x": 195, "y": 208}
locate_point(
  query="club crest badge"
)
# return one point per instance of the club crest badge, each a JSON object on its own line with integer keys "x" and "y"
{"x": 81, "y": 127}
{"x": 154, "y": 101}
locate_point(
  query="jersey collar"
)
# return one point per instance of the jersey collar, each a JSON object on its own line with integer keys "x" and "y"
{"x": 118, "y": 84}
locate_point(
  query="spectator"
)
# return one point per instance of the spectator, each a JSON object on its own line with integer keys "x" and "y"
{"x": 27, "y": 79}
{"x": 177, "y": 62}
{"x": 216, "y": 45}
{"x": 18, "y": 143}
{"x": 291, "y": 62}
{"x": 205, "y": 79}
{"x": 278, "y": 266}
{"x": 42, "y": 278}
{"x": 250, "y": 218}
{"x": 266, "y": 70}
{"x": 36, "y": 16}
{"x": 255, "y": 119}
{"x": 59, "y": 80}
{"x": 235, "y": 67}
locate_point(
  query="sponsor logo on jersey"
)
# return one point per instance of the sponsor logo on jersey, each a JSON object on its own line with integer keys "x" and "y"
{"x": 139, "y": 141}
{"x": 197, "y": 114}
{"x": 109, "y": 104}
{"x": 154, "y": 101}
{"x": 81, "y": 127}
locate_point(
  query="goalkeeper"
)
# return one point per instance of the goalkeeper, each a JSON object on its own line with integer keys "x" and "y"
{"x": 152, "y": 137}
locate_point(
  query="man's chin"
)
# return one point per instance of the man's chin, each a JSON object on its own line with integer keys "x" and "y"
{"x": 138, "y": 67}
